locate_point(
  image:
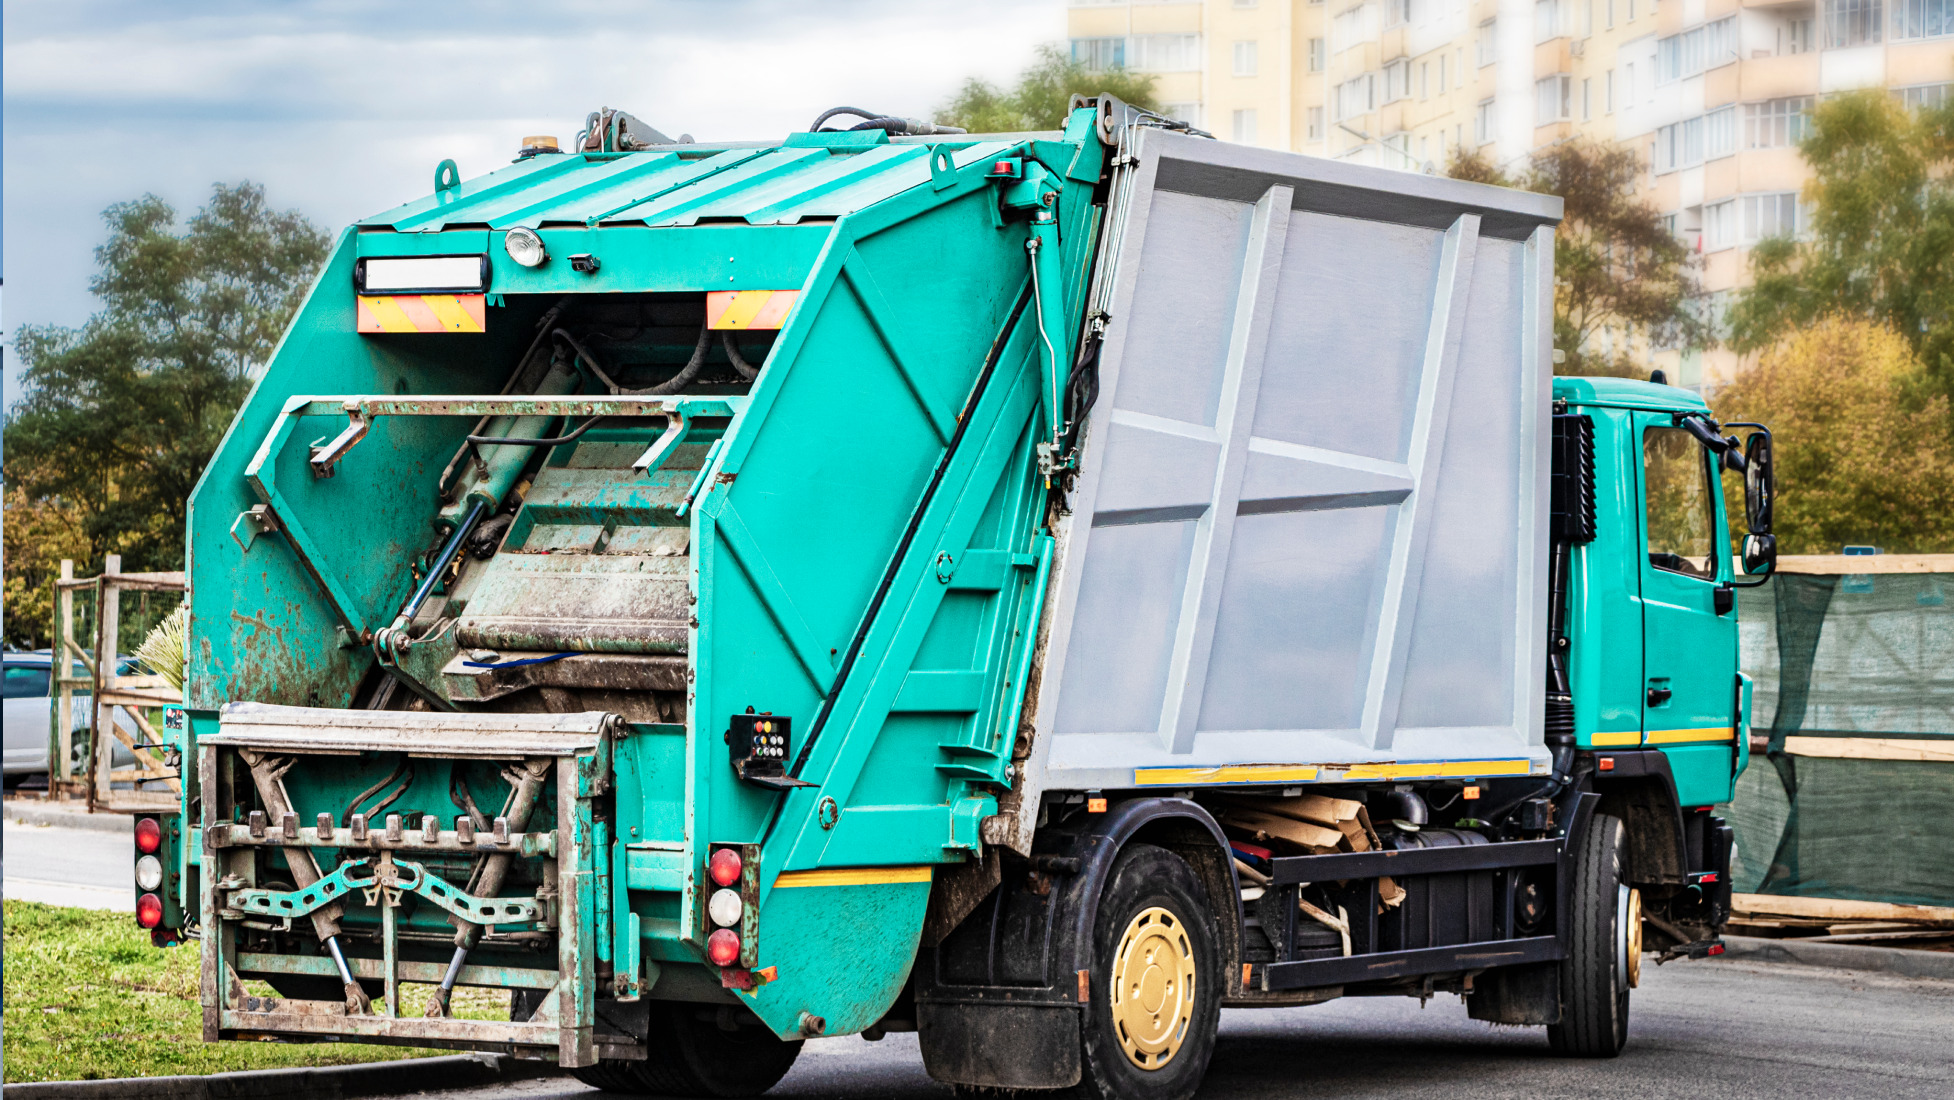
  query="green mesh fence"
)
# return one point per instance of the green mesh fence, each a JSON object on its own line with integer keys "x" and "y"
{"x": 1837, "y": 658}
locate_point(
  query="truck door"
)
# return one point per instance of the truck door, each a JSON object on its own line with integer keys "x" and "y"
{"x": 1689, "y": 616}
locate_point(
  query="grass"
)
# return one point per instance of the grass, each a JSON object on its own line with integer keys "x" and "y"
{"x": 88, "y": 997}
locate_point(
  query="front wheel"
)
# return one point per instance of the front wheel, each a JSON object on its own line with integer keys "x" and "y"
{"x": 1603, "y": 947}
{"x": 691, "y": 1052}
{"x": 1149, "y": 1027}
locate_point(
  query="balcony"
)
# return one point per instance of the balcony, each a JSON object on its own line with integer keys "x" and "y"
{"x": 1771, "y": 77}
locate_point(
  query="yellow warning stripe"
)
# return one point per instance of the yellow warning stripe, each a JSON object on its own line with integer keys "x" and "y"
{"x": 1670, "y": 737}
{"x": 1238, "y": 773}
{"x": 1448, "y": 769}
{"x": 854, "y": 876}
{"x": 1626, "y": 737}
{"x": 749, "y": 309}
{"x": 421, "y": 313}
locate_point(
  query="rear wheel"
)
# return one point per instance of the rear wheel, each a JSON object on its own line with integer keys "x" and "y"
{"x": 1149, "y": 1028}
{"x": 690, "y": 1053}
{"x": 1603, "y": 947}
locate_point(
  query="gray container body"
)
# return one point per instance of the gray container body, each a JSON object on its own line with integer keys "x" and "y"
{"x": 1307, "y": 540}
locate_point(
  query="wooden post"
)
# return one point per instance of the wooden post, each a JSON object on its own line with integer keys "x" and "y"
{"x": 61, "y": 768}
{"x": 108, "y": 628}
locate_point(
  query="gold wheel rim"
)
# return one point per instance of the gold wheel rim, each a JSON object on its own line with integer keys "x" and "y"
{"x": 1634, "y": 938}
{"x": 1153, "y": 987}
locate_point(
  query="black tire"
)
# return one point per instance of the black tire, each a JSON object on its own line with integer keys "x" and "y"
{"x": 689, "y": 1054}
{"x": 1146, "y": 880}
{"x": 1593, "y": 987}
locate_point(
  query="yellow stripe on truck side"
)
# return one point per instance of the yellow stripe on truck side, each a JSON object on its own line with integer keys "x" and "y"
{"x": 1671, "y": 737}
{"x": 1238, "y": 773}
{"x": 1461, "y": 769}
{"x": 422, "y": 313}
{"x": 749, "y": 309}
{"x": 853, "y": 876}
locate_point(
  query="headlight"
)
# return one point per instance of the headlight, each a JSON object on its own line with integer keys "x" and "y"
{"x": 525, "y": 247}
{"x": 149, "y": 873}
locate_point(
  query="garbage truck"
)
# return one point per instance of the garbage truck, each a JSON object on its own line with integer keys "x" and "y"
{"x": 664, "y": 602}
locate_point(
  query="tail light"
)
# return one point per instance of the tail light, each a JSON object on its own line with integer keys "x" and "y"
{"x": 722, "y": 947}
{"x": 149, "y": 835}
{"x": 149, "y": 913}
{"x": 149, "y": 873}
{"x": 725, "y": 866}
{"x": 732, "y": 904}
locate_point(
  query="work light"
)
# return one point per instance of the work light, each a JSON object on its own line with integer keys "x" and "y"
{"x": 525, "y": 247}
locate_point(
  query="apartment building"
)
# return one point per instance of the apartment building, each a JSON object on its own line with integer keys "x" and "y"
{"x": 1712, "y": 93}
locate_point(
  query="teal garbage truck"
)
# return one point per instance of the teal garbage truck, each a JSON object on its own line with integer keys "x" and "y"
{"x": 1032, "y": 590}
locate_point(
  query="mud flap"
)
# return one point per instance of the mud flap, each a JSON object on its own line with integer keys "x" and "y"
{"x": 1000, "y": 1046}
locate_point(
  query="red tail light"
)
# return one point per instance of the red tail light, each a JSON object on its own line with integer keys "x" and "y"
{"x": 149, "y": 914}
{"x": 149, "y": 835}
{"x": 725, "y": 866}
{"x": 722, "y": 947}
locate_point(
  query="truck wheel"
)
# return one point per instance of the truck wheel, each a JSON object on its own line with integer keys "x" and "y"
{"x": 1149, "y": 1028}
{"x": 1596, "y": 975}
{"x": 688, "y": 1053}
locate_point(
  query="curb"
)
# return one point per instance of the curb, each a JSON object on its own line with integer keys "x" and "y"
{"x": 30, "y": 814}
{"x": 309, "y": 1083}
{"x": 1842, "y": 956}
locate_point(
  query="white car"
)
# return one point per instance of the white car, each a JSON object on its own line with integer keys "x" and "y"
{"x": 28, "y": 714}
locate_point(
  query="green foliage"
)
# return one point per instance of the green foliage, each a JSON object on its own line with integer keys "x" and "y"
{"x": 1863, "y": 455}
{"x": 89, "y": 998}
{"x": 1039, "y": 99}
{"x": 1616, "y": 266}
{"x": 117, "y": 418}
{"x": 1880, "y": 214}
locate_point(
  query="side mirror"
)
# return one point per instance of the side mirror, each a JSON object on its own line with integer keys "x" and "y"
{"x": 1760, "y": 484}
{"x": 1760, "y": 553}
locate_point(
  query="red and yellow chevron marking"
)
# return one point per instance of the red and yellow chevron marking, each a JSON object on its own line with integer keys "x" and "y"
{"x": 422, "y": 313}
{"x": 750, "y": 309}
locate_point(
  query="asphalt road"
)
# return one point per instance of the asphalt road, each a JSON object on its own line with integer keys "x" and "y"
{"x": 1701, "y": 1030}
{"x": 78, "y": 867}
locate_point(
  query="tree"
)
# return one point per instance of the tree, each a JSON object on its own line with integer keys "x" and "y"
{"x": 118, "y": 418}
{"x": 1863, "y": 456}
{"x": 1880, "y": 215}
{"x": 1617, "y": 268}
{"x": 1039, "y": 99}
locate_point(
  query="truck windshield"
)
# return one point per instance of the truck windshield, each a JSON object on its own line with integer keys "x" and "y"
{"x": 1681, "y": 519}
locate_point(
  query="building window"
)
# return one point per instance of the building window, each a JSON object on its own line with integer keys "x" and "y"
{"x": 1397, "y": 12}
{"x": 1484, "y": 123}
{"x": 1587, "y": 99}
{"x": 1316, "y": 124}
{"x": 1355, "y": 97}
{"x": 1460, "y": 68}
{"x": 1442, "y": 82}
{"x": 1796, "y": 37}
{"x": 1628, "y": 85}
{"x": 1770, "y": 216}
{"x": 1245, "y": 59}
{"x": 1244, "y": 127}
{"x": 1922, "y": 97}
{"x": 1684, "y": 55}
{"x": 1397, "y": 81}
{"x": 1922, "y": 18}
{"x": 1486, "y": 47}
{"x": 1425, "y": 80}
{"x": 1549, "y": 20}
{"x": 1720, "y": 133}
{"x": 1189, "y": 113}
{"x": 1608, "y": 92}
{"x": 1552, "y": 96}
{"x": 1851, "y": 23}
{"x": 1316, "y": 55}
{"x": 1164, "y": 53}
{"x": 1776, "y": 123}
{"x": 1719, "y": 225}
{"x": 1099, "y": 53}
{"x": 1244, "y": 3}
{"x": 1611, "y": 14}
{"x": 1353, "y": 27}
{"x": 1679, "y": 145}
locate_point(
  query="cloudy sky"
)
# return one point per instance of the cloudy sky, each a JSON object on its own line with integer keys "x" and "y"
{"x": 342, "y": 108}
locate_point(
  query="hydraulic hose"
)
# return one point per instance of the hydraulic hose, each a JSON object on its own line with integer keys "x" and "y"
{"x": 671, "y": 385}
{"x": 746, "y": 369}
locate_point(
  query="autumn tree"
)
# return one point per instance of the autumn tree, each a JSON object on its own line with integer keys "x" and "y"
{"x": 1863, "y": 451}
{"x": 1039, "y": 98}
{"x": 118, "y": 418}
{"x": 1617, "y": 268}
{"x": 1879, "y": 240}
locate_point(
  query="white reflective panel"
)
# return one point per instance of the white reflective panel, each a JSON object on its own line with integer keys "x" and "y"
{"x": 423, "y": 273}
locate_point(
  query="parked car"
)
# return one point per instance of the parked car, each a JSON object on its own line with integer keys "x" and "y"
{"x": 29, "y": 675}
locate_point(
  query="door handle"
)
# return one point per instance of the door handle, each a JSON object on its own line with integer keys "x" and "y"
{"x": 1659, "y": 696}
